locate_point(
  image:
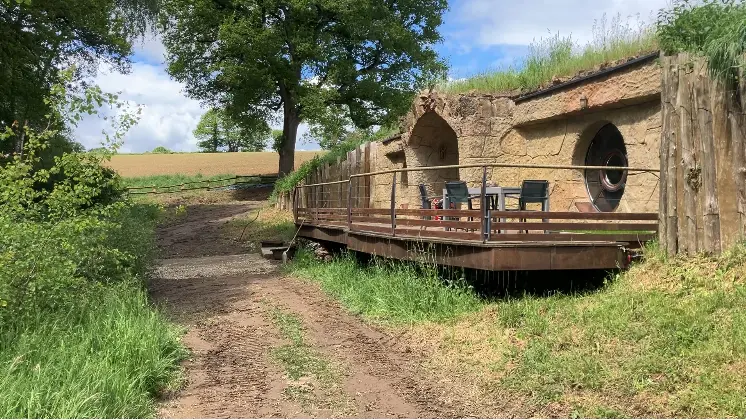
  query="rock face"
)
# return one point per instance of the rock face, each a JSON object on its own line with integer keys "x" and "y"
{"x": 553, "y": 128}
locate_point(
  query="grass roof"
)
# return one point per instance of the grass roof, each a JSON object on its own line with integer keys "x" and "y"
{"x": 562, "y": 58}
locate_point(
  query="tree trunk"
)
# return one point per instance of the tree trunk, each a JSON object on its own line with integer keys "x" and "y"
{"x": 215, "y": 137}
{"x": 289, "y": 134}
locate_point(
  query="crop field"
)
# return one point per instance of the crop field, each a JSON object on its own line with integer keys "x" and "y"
{"x": 207, "y": 164}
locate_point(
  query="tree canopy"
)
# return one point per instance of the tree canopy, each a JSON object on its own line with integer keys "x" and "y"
{"x": 218, "y": 132}
{"x": 325, "y": 62}
{"x": 42, "y": 37}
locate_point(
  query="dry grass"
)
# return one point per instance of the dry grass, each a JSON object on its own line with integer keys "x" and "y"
{"x": 207, "y": 164}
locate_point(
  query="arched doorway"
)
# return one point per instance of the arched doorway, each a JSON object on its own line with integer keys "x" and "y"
{"x": 606, "y": 187}
{"x": 432, "y": 143}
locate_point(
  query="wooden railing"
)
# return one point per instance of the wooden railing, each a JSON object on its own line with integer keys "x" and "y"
{"x": 473, "y": 225}
{"x": 485, "y": 224}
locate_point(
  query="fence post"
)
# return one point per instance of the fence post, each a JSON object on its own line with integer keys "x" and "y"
{"x": 349, "y": 203}
{"x": 393, "y": 206}
{"x": 485, "y": 208}
{"x": 295, "y": 205}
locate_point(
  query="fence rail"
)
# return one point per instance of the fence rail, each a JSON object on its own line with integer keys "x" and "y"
{"x": 207, "y": 184}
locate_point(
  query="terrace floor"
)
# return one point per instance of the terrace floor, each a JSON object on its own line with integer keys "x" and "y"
{"x": 466, "y": 238}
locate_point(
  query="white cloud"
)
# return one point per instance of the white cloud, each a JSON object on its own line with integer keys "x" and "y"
{"x": 168, "y": 117}
{"x": 499, "y": 22}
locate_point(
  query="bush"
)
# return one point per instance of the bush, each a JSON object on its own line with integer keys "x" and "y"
{"x": 77, "y": 337}
{"x": 47, "y": 266}
{"x": 715, "y": 29}
{"x": 161, "y": 150}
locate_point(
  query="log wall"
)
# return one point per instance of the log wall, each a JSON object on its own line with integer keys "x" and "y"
{"x": 703, "y": 162}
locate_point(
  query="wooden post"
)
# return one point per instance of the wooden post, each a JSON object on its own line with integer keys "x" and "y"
{"x": 688, "y": 223}
{"x": 484, "y": 207}
{"x": 711, "y": 216}
{"x": 338, "y": 202}
{"x": 671, "y": 141}
{"x": 295, "y": 205}
{"x": 663, "y": 151}
{"x": 349, "y": 204}
{"x": 366, "y": 179}
{"x": 393, "y": 206}
{"x": 738, "y": 124}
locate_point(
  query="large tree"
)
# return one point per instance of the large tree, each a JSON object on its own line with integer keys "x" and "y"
{"x": 38, "y": 38}
{"x": 318, "y": 61}
{"x": 218, "y": 132}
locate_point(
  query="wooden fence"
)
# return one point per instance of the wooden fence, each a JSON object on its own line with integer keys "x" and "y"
{"x": 357, "y": 191}
{"x": 703, "y": 162}
{"x": 205, "y": 184}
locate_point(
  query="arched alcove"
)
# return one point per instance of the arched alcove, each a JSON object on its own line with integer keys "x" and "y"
{"x": 432, "y": 142}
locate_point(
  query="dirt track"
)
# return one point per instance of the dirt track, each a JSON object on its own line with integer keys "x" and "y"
{"x": 228, "y": 299}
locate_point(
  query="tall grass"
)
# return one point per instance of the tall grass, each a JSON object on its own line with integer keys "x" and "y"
{"x": 715, "y": 29}
{"x": 106, "y": 359}
{"x": 78, "y": 337}
{"x": 391, "y": 292}
{"x": 562, "y": 57}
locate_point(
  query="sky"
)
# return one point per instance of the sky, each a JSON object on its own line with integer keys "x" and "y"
{"x": 478, "y": 36}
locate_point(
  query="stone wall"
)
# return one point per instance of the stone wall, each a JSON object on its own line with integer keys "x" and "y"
{"x": 554, "y": 128}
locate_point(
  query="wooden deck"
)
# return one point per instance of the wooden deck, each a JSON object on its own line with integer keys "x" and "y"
{"x": 495, "y": 241}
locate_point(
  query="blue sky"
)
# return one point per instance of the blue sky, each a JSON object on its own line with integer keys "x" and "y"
{"x": 479, "y": 35}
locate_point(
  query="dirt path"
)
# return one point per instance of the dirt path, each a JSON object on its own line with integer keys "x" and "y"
{"x": 266, "y": 345}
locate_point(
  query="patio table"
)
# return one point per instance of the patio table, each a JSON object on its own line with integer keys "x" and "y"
{"x": 500, "y": 192}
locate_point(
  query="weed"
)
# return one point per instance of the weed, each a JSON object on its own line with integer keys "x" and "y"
{"x": 306, "y": 368}
{"x": 106, "y": 359}
{"x": 298, "y": 358}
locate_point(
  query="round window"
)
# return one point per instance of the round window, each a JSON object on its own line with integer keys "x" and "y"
{"x": 606, "y": 186}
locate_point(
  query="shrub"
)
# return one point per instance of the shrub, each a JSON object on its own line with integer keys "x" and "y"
{"x": 77, "y": 337}
{"x": 161, "y": 150}
{"x": 715, "y": 29}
